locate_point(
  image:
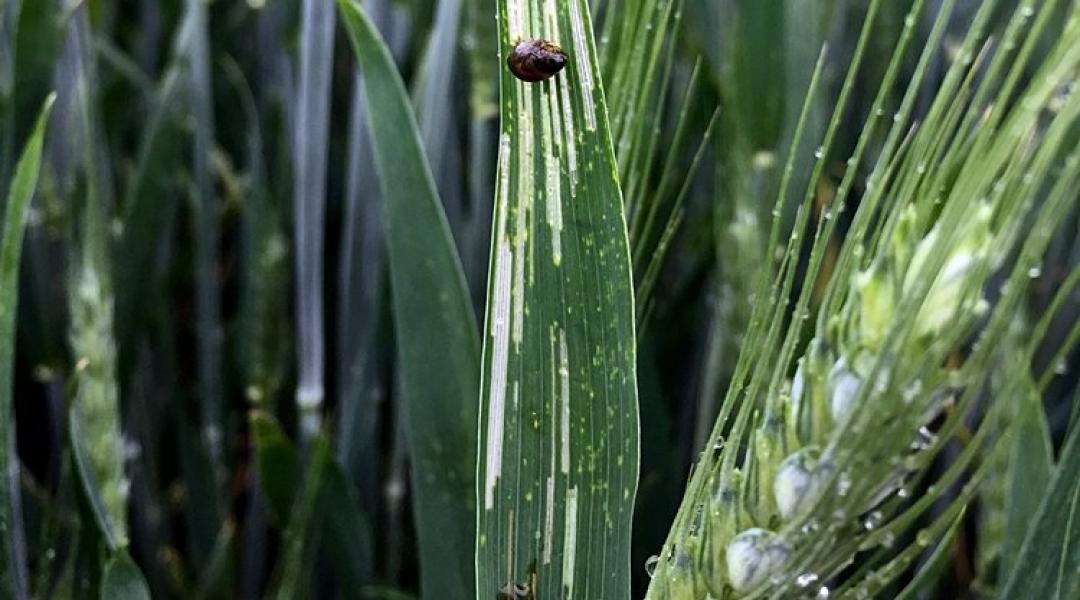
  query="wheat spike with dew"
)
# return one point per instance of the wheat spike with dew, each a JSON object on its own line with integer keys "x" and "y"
{"x": 820, "y": 444}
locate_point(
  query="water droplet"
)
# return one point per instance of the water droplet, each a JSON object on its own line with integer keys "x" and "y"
{"x": 888, "y": 539}
{"x": 132, "y": 450}
{"x": 909, "y": 21}
{"x": 806, "y": 579}
{"x": 925, "y": 439}
{"x": 872, "y": 520}
{"x": 650, "y": 565}
{"x": 923, "y": 538}
{"x": 921, "y": 168}
{"x": 843, "y": 483}
{"x": 1027, "y": 11}
{"x": 1061, "y": 367}
{"x": 810, "y": 526}
{"x": 50, "y": 554}
{"x": 819, "y": 152}
{"x": 1034, "y": 272}
{"x": 823, "y": 593}
{"x": 897, "y": 117}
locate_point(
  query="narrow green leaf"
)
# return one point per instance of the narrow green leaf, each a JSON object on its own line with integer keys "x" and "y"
{"x": 123, "y": 580}
{"x": 436, "y": 107}
{"x": 33, "y": 37}
{"x": 300, "y": 539}
{"x": 23, "y": 184}
{"x": 437, "y": 340}
{"x": 349, "y": 538}
{"x": 216, "y": 578}
{"x": 346, "y": 533}
{"x": 1031, "y": 466}
{"x": 930, "y": 570}
{"x": 558, "y": 467}
{"x": 309, "y": 204}
{"x": 203, "y": 518}
{"x": 146, "y": 207}
{"x": 278, "y": 464}
{"x": 194, "y": 47}
{"x": 1048, "y": 563}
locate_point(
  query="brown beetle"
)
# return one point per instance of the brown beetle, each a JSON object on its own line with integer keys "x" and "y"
{"x": 536, "y": 60}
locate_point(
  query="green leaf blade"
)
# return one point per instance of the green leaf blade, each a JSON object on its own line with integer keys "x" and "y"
{"x": 559, "y": 416}
{"x": 341, "y": 528}
{"x": 438, "y": 346}
{"x": 1030, "y": 472}
{"x": 1048, "y": 563}
{"x": 23, "y": 184}
{"x": 123, "y": 580}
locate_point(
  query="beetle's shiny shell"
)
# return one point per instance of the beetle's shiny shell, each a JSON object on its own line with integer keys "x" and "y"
{"x": 536, "y": 60}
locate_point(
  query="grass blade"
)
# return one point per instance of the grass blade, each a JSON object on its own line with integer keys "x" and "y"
{"x": 142, "y": 212}
{"x": 343, "y": 527}
{"x": 300, "y": 539}
{"x": 195, "y": 47}
{"x": 123, "y": 581}
{"x": 23, "y": 184}
{"x": 309, "y": 191}
{"x": 1031, "y": 466}
{"x": 430, "y": 303}
{"x": 436, "y": 109}
{"x": 559, "y": 416}
{"x": 278, "y": 464}
{"x": 359, "y": 286}
{"x": 479, "y": 33}
{"x": 1048, "y": 563}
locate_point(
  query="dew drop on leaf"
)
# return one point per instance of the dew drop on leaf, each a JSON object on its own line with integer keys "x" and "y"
{"x": 806, "y": 579}
{"x": 843, "y": 483}
{"x": 650, "y": 565}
